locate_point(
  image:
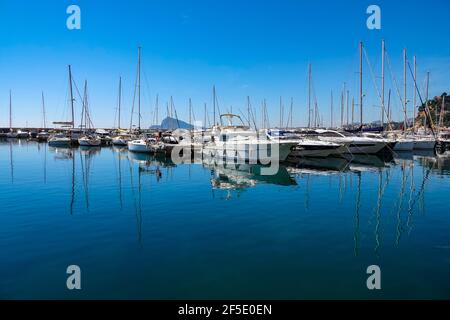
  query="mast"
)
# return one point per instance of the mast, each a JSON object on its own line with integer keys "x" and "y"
{"x": 442, "y": 114}
{"x": 281, "y": 113}
{"x": 205, "y": 111}
{"x": 382, "y": 82}
{"x": 389, "y": 108}
{"x": 342, "y": 107}
{"x": 331, "y": 109}
{"x": 426, "y": 103}
{"x": 415, "y": 92}
{"x": 190, "y": 111}
{"x": 120, "y": 99}
{"x": 405, "y": 124}
{"x": 10, "y": 111}
{"x": 85, "y": 106}
{"x": 71, "y": 97}
{"x": 139, "y": 88}
{"x": 361, "y": 83}
{"x": 347, "y": 102}
{"x": 309, "y": 95}
{"x": 156, "y": 111}
{"x": 291, "y": 115}
{"x": 353, "y": 110}
{"x": 43, "y": 110}
{"x": 214, "y": 105}
{"x": 248, "y": 110}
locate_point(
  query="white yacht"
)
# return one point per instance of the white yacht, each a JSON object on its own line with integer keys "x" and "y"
{"x": 239, "y": 142}
{"x": 308, "y": 146}
{"x": 354, "y": 144}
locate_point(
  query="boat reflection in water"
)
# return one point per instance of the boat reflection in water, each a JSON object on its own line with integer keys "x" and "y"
{"x": 238, "y": 177}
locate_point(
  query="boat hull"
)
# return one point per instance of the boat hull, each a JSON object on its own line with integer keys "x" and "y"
{"x": 424, "y": 144}
{"x": 404, "y": 145}
{"x": 140, "y": 147}
{"x": 120, "y": 142}
{"x": 316, "y": 152}
{"x": 366, "y": 148}
{"x": 250, "y": 152}
{"x": 59, "y": 142}
{"x": 89, "y": 142}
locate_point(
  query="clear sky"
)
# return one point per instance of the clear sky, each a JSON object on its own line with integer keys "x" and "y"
{"x": 246, "y": 48}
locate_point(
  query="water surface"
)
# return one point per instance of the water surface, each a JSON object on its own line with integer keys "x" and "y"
{"x": 145, "y": 228}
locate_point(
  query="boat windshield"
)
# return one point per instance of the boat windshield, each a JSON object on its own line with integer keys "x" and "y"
{"x": 333, "y": 134}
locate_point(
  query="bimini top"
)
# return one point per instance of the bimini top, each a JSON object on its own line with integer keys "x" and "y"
{"x": 230, "y": 117}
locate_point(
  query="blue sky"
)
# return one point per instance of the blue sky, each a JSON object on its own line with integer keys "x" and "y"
{"x": 250, "y": 48}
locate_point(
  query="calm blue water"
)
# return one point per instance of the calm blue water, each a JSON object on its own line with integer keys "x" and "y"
{"x": 144, "y": 228}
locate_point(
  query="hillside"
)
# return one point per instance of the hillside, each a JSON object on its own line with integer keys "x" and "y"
{"x": 435, "y": 106}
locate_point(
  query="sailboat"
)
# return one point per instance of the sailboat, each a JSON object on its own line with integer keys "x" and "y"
{"x": 62, "y": 139}
{"x": 122, "y": 138}
{"x": 43, "y": 135}
{"x": 87, "y": 139}
{"x": 11, "y": 134}
{"x": 424, "y": 141}
{"x": 144, "y": 144}
{"x": 404, "y": 143}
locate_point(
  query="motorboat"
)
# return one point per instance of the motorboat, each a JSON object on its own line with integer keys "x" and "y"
{"x": 353, "y": 144}
{"x": 240, "y": 143}
{"x": 308, "y": 146}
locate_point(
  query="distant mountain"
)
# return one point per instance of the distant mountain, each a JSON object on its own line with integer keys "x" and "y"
{"x": 171, "y": 123}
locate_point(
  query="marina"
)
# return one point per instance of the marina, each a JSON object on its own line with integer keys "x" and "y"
{"x": 231, "y": 157}
{"x": 130, "y": 218}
